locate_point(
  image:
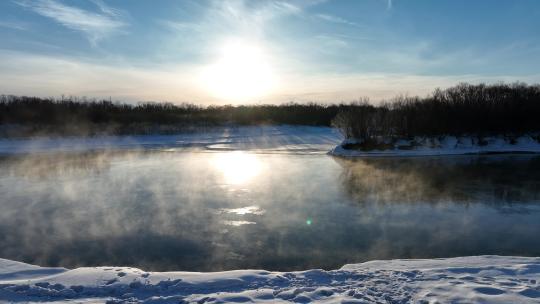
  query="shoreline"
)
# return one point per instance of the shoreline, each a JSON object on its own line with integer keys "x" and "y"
{"x": 439, "y": 146}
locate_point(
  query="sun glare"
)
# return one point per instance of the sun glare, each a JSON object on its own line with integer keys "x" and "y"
{"x": 237, "y": 167}
{"x": 241, "y": 72}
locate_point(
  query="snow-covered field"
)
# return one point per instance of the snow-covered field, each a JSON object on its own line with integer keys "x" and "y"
{"x": 480, "y": 279}
{"x": 448, "y": 145}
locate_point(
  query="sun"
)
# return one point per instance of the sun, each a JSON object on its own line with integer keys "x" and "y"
{"x": 241, "y": 72}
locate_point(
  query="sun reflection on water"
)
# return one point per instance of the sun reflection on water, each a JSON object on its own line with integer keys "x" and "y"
{"x": 244, "y": 210}
{"x": 238, "y": 167}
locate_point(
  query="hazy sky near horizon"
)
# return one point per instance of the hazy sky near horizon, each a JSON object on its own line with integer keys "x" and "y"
{"x": 263, "y": 51}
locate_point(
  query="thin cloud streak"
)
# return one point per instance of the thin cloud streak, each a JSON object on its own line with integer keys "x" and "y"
{"x": 180, "y": 26}
{"x": 335, "y": 19}
{"x": 241, "y": 17}
{"x": 95, "y": 26}
{"x": 113, "y": 12}
{"x": 14, "y": 25}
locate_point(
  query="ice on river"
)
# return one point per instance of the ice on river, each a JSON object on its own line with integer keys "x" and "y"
{"x": 271, "y": 139}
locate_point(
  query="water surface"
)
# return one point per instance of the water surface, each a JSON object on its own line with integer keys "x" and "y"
{"x": 206, "y": 211}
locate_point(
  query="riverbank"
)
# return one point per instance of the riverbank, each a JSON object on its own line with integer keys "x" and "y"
{"x": 478, "y": 279}
{"x": 433, "y": 146}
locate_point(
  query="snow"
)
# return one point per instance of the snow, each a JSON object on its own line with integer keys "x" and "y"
{"x": 478, "y": 279}
{"x": 446, "y": 145}
{"x": 271, "y": 139}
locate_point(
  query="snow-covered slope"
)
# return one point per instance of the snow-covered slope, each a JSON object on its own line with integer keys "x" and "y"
{"x": 447, "y": 145}
{"x": 481, "y": 279}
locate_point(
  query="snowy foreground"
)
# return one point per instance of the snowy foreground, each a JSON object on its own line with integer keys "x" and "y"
{"x": 480, "y": 279}
{"x": 448, "y": 145}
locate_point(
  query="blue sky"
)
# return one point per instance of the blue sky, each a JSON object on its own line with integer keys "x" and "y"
{"x": 278, "y": 51}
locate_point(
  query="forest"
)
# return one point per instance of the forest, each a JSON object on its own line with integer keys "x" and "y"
{"x": 464, "y": 109}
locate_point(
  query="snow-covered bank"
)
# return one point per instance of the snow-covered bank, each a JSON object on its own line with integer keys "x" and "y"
{"x": 479, "y": 279}
{"x": 302, "y": 139}
{"x": 447, "y": 145}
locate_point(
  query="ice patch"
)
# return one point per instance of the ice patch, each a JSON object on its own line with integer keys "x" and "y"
{"x": 268, "y": 139}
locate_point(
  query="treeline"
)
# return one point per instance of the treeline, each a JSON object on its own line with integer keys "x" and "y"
{"x": 74, "y": 115}
{"x": 465, "y": 109}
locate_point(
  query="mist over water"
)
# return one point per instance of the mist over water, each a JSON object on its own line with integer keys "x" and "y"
{"x": 179, "y": 210}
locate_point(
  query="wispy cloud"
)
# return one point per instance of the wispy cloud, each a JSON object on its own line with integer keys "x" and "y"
{"x": 331, "y": 42}
{"x": 93, "y": 24}
{"x": 180, "y": 26}
{"x": 111, "y": 11}
{"x": 255, "y": 15}
{"x": 221, "y": 20}
{"x": 335, "y": 19}
{"x": 276, "y": 8}
{"x": 16, "y": 25}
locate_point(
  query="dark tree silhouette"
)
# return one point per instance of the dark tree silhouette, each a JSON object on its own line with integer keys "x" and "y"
{"x": 465, "y": 109}
{"x": 479, "y": 110}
